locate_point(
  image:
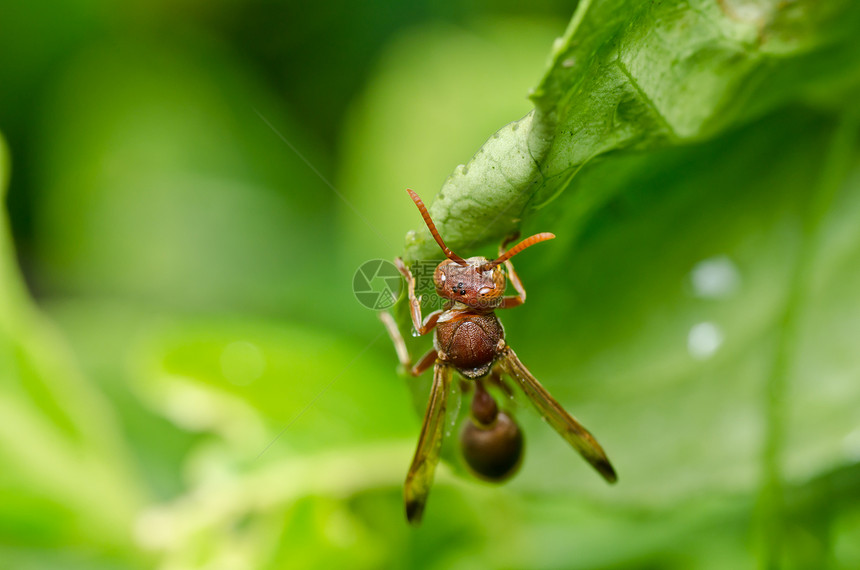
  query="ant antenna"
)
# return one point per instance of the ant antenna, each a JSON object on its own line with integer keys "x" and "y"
{"x": 434, "y": 232}
{"x": 528, "y": 242}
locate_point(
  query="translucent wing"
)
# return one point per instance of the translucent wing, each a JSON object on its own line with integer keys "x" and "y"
{"x": 420, "y": 476}
{"x": 570, "y": 429}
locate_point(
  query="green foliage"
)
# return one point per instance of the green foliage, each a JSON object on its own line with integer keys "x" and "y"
{"x": 198, "y": 388}
{"x": 639, "y": 77}
{"x": 66, "y": 477}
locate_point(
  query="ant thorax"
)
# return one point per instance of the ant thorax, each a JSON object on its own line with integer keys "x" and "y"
{"x": 476, "y": 285}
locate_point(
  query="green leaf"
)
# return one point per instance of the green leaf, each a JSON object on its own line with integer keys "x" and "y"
{"x": 639, "y": 76}
{"x": 422, "y": 112}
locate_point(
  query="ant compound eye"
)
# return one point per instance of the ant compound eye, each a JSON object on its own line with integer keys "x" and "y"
{"x": 492, "y": 452}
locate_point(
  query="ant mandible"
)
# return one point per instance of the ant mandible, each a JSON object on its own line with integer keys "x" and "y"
{"x": 469, "y": 338}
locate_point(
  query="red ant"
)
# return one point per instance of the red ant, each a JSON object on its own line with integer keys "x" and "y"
{"x": 470, "y": 339}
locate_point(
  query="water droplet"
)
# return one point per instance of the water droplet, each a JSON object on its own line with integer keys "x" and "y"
{"x": 704, "y": 340}
{"x": 715, "y": 278}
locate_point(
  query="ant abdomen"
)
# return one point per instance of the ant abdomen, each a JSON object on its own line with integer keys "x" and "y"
{"x": 491, "y": 441}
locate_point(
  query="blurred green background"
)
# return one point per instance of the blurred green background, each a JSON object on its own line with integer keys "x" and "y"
{"x": 187, "y": 381}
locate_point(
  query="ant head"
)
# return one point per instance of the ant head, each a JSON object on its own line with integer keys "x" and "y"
{"x": 476, "y": 284}
{"x": 477, "y": 281}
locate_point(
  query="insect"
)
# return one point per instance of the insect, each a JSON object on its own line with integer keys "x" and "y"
{"x": 469, "y": 339}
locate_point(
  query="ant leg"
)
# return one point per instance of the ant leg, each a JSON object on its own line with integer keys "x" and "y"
{"x": 426, "y": 361}
{"x": 422, "y": 326}
{"x": 396, "y": 338}
{"x": 520, "y": 298}
{"x": 402, "y": 352}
